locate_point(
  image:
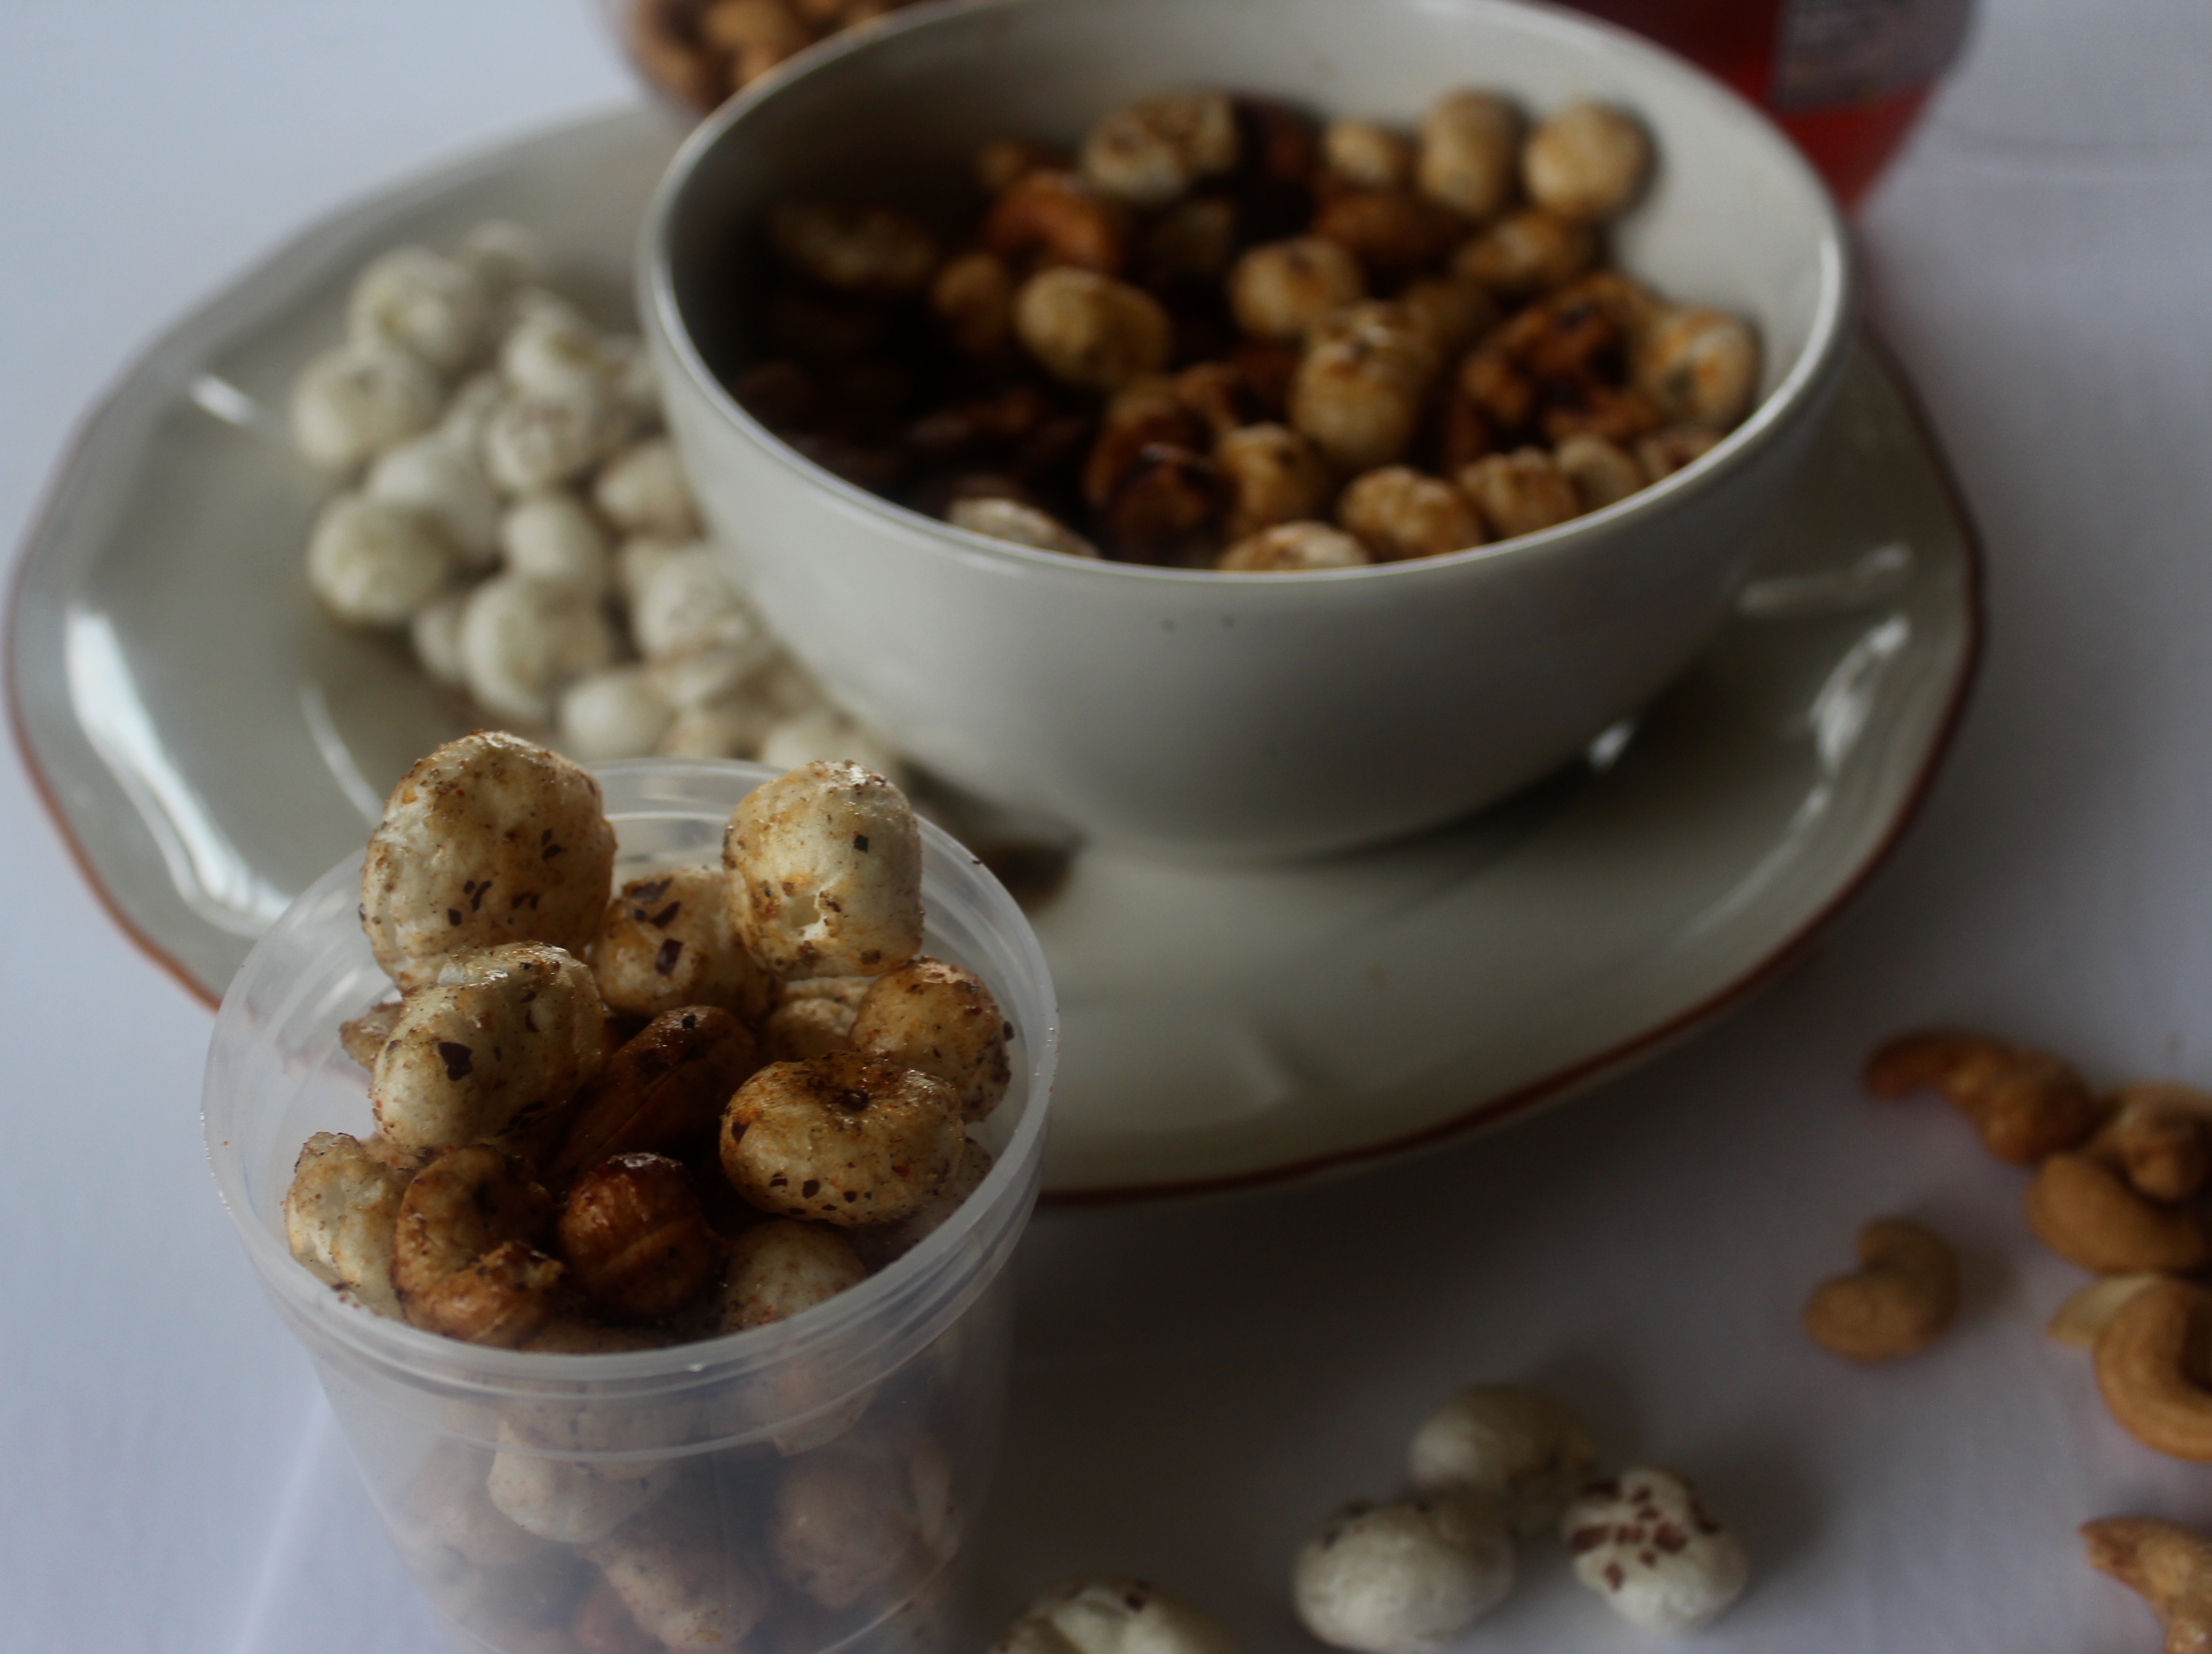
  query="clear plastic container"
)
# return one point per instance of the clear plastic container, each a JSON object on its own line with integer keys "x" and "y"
{"x": 803, "y": 1486}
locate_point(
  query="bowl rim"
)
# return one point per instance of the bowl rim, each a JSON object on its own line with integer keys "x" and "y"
{"x": 431, "y": 1360}
{"x": 1818, "y": 362}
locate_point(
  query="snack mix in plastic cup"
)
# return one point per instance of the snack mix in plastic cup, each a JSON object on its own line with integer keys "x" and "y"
{"x": 806, "y": 1485}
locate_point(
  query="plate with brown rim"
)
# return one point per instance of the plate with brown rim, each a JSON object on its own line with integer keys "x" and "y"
{"x": 208, "y": 744}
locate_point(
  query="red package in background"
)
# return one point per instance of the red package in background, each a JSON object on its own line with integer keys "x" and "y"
{"x": 1845, "y": 78}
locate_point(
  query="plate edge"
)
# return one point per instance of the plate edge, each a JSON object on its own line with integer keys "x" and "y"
{"x": 1640, "y": 1047}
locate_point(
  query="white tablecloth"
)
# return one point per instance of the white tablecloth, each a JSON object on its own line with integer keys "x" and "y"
{"x": 1197, "y": 1384}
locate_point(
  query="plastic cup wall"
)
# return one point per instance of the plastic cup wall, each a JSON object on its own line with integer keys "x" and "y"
{"x": 815, "y": 1477}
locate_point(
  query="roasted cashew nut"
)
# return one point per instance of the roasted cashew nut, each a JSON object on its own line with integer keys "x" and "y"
{"x": 1901, "y": 1299}
{"x": 2077, "y": 1322}
{"x": 2151, "y": 1366}
{"x": 2026, "y": 1103}
{"x": 2086, "y": 1212}
{"x": 2168, "y": 1565}
{"x": 2162, "y": 1135}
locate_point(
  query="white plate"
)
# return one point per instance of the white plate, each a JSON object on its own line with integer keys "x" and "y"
{"x": 208, "y": 744}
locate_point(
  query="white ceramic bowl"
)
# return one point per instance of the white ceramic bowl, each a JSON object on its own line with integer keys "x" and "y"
{"x": 1198, "y": 713}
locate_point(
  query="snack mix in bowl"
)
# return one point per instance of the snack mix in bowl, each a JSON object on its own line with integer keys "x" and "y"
{"x": 1223, "y": 335}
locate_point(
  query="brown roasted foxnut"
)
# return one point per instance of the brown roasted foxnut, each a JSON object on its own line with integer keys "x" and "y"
{"x": 1587, "y": 161}
{"x": 1398, "y": 513}
{"x": 1222, "y": 395}
{"x": 1667, "y": 450}
{"x": 1603, "y": 473}
{"x": 1451, "y": 310}
{"x": 2151, "y": 1369}
{"x": 843, "y": 1138}
{"x": 1149, "y": 412}
{"x": 1361, "y": 384}
{"x": 1272, "y": 474}
{"x": 1001, "y": 163}
{"x": 668, "y": 942}
{"x": 2084, "y": 1210}
{"x": 755, "y": 34}
{"x": 1589, "y": 407}
{"x": 1903, "y": 1297}
{"x": 1462, "y": 435}
{"x": 943, "y": 1021}
{"x": 661, "y": 1092}
{"x": 1520, "y": 493}
{"x": 633, "y": 1235}
{"x": 973, "y": 298}
{"x": 1497, "y": 389}
{"x": 1054, "y": 218}
{"x": 463, "y": 1256}
{"x": 1091, "y": 331}
{"x": 1469, "y": 144}
{"x": 784, "y": 395}
{"x": 1366, "y": 155}
{"x": 1280, "y": 290}
{"x": 1700, "y": 367}
{"x": 1168, "y": 496}
{"x": 1151, "y": 151}
{"x": 2159, "y": 1132}
{"x": 824, "y": 328}
{"x": 1393, "y": 233}
{"x": 980, "y": 427}
{"x": 1565, "y": 337}
{"x": 1278, "y": 149}
{"x": 872, "y": 251}
{"x": 2168, "y": 1565}
{"x": 1194, "y": 240}
{"x": 2027, "y": 1105}
{"x": 1526, "y": 253}
{"x": 1291, "y": 548}
{"x": 1625, "y": 301}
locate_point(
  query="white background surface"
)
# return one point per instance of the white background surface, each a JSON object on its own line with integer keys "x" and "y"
{"x": 1198, "y": 1386}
